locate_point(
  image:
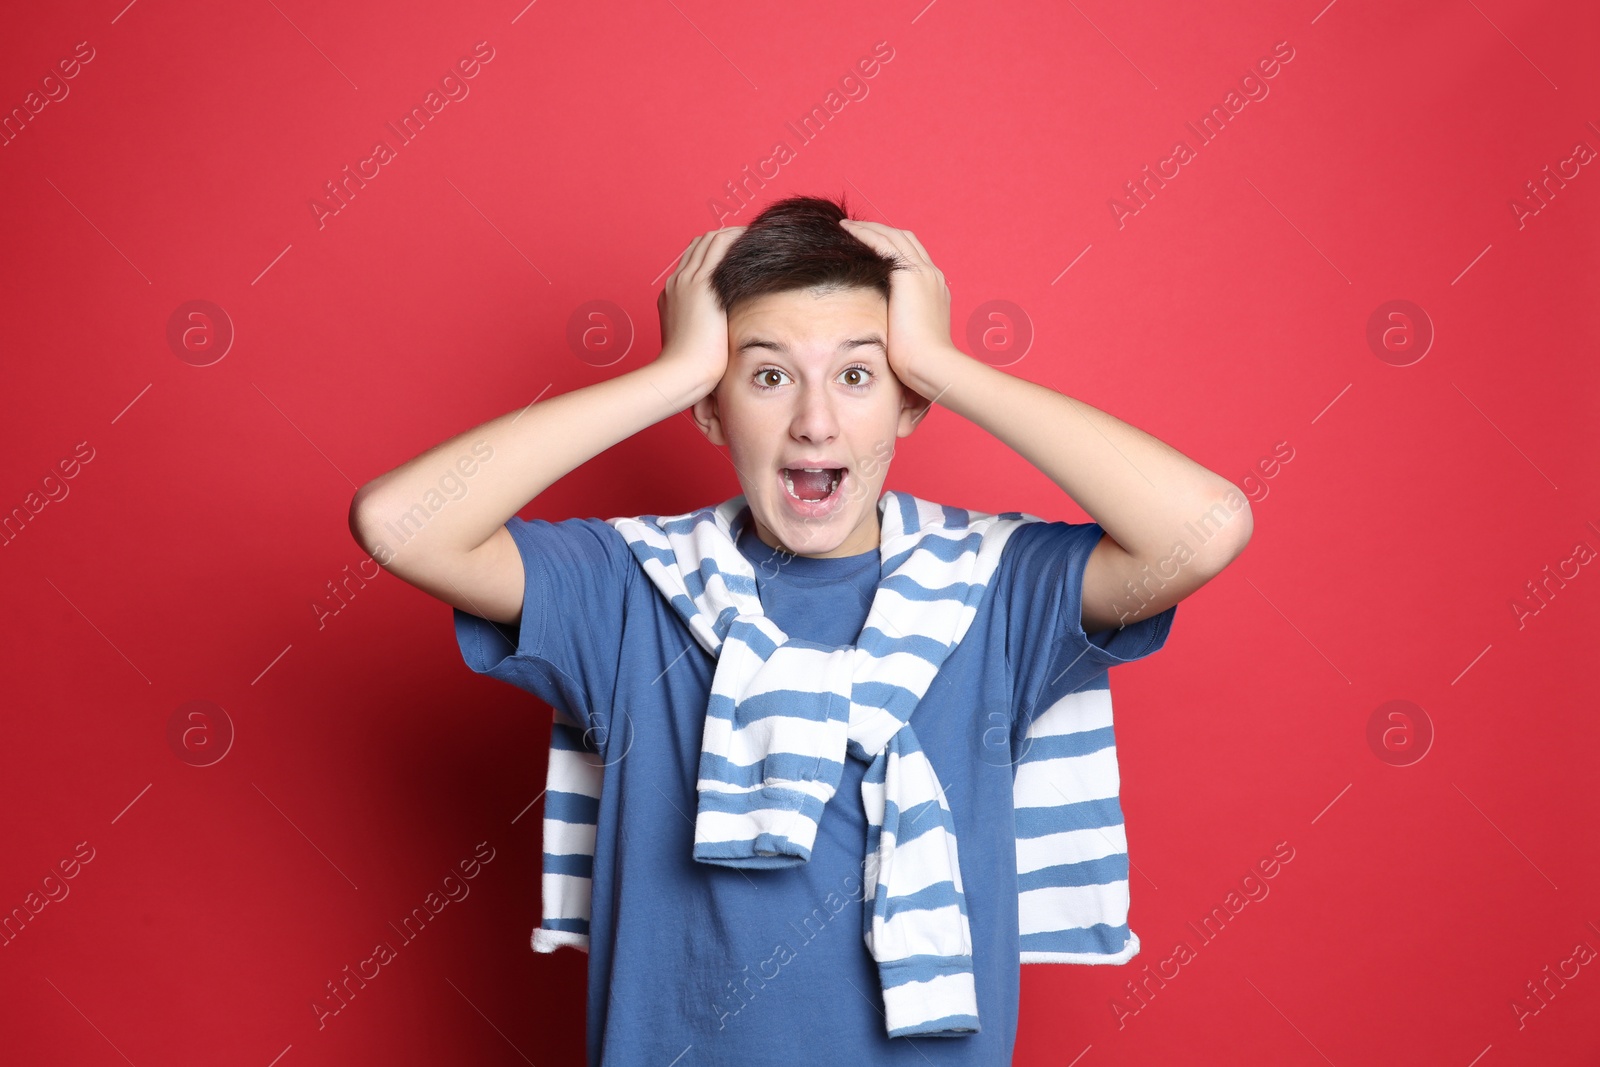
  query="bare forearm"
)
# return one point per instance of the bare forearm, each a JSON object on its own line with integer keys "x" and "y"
{"x": 451, "y": 498}
{"x": 1138, "y": 488}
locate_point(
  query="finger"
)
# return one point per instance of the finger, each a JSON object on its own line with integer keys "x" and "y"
{"x": 683, "y": 260}
{"x": 918, "y": 245}
{"x": 872, "y": 234}
{"x": 886, "y": 239}
{"x": 718, "y": 246}
{"x": 696, "y": 256}
{"x": 707, "y": 241}
{"x": 913, "y": 249}
{"x": 874, "y": 237}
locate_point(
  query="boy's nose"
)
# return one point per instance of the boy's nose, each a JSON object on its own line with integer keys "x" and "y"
{"x": 814, "y": 417}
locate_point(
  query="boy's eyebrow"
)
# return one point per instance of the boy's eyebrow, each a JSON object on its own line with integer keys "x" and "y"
{"x": 844, "y": 346}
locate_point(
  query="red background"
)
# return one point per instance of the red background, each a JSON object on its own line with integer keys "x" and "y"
{"x": 1228, "y": 314}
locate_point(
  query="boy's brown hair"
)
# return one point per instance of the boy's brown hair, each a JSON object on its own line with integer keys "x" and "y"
{"x": 797, "y": 243}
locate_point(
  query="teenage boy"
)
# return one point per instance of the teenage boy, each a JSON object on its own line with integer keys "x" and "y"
{"x": 746, "y": 826}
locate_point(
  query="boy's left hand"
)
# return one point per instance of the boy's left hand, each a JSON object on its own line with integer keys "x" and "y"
{"x": 919, "y": 304}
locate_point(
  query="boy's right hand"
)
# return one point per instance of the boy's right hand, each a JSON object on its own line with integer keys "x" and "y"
{"x": 694, "y": 329}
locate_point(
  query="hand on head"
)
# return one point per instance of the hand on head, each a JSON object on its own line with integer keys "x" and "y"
{"x": 919, "y": 299}
{"x": 694, "y": 329}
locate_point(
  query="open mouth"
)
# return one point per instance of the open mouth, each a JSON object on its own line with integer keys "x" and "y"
{"x": 812, "y": 485}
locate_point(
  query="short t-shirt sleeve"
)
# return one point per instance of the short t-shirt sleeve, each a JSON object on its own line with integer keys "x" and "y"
{"x": 1042, "y": 569}
{"x": 567, "y": 646}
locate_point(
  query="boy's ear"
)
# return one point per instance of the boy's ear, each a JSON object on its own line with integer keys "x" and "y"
{"x": 708, "y": 417}
{"x": 913, "y": 406}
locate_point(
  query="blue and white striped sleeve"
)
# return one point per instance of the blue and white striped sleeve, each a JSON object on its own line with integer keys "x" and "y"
{"x": 566, "y": 648}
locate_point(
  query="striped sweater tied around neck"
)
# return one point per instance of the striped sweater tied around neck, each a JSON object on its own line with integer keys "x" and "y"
{"x": 783, "y": 714}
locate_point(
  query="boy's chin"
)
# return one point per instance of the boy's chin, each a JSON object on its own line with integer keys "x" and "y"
{"x": 805, "y": 536}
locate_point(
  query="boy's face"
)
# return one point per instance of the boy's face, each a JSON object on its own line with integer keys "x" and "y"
{"x": 808, "y": 384}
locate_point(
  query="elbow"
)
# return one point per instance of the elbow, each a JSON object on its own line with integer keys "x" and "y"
{"x": 1246, "y": 525}
{"x": 363, "y": 521}
{"x": 1232, "y": 535}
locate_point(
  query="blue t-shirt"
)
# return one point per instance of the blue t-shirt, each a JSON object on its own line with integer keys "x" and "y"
{"x": 695, "y": 964}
